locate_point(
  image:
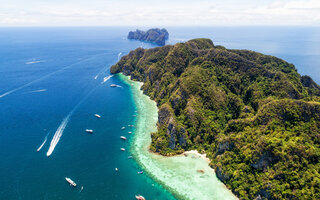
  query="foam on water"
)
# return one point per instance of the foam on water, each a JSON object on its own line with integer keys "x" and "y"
{"x": 45, "y": 140}
{"x": 106, "y": 78}
{"x": 178, "y": 173}
{"x": 36, "y": 91}
{"x": 33, "y": 62}
{"x": 119, "y": 56}
{"x": 58, "y": 134}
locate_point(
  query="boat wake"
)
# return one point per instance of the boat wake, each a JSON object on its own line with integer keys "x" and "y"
{"x": 33, "y": 62}
{"x": 36, "y": 91}
{"x": 119, "y": 56}
{"x": 42, "y": 78}
{"x": 58, "y": 134}
{"x": 106, "y": 78}
{"x": 65, "y": 121}
{"x": 45, "y": 140}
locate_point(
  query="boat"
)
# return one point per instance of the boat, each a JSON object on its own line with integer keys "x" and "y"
{"x": 141, "y": 172}
{"x": 139, "y": 197}
{"x": 116, "y": 169}
{"x": 130, "y": 132}
{"x": 123, "y": 128}
{"x": 122, "y": 149}
{"x": 122, "y": 137}
{"x": 98, "y": 116}
{"x": 89, "y": 130}
{"x": 113, "y": 85}
{"x": 129, "y": 157}
{"x": 131, "y": 125}
{"x": 72, "y": 183}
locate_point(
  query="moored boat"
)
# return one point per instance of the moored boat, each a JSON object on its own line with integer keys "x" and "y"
{"x": 89, "y": 130}
{"x": 113, "y": 85}
{"x": 72, "y": 183}
{"x": 96, "y": 115}
{"x": 122, "y": 149}
{"x": 122, "y": 137}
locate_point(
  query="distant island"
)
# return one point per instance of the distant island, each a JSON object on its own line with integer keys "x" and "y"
{"x": 155, "y": 35}
{"x": 254, "y": 116}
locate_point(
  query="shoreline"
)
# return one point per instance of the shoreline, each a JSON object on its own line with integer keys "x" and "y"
{"x": 196, "y": 181}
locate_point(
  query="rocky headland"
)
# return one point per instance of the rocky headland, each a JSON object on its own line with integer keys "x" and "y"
{"x": 155, "y": 35}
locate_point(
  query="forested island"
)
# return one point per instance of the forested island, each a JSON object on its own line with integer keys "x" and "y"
{"x": 155, "y": 35}
{"x": 254, "y": 116}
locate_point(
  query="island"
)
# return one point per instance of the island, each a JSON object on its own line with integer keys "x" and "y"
{"x": 254, "y": 115}
{"x": 154, "y": 35}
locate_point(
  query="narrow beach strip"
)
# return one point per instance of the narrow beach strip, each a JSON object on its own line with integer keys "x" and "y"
{"x": 185, "y": 176}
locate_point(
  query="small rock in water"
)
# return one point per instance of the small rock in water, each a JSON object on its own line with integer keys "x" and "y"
{"x": 200, "y": 171}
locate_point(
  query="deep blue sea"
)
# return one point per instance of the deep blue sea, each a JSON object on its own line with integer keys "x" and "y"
{"x": 53, "y": 81}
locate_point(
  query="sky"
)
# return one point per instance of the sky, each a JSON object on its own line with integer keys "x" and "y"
{"x": 159, "y": 12}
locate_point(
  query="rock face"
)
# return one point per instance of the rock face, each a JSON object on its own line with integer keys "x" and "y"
{"x": 155, "y": 35}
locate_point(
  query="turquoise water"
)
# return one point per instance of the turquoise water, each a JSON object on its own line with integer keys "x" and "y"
{"x": 47, "y": 74}
{"x": 52, "y": 74}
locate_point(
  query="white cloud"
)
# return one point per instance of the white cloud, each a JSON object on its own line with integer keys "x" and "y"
{"x": 163, "y": 13}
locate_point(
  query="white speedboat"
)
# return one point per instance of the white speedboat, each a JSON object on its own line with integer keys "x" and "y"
{"x": 122, "y": 149}
{"x": 130, "y": 132}
{"x": 122, "y": 137}
{"x": 72, "y": 183}
{"x": 123, "y": 128}
{"x": 96, "y": 115}
{"x": 89, "y": 130}
{"x": 113, "y": 85}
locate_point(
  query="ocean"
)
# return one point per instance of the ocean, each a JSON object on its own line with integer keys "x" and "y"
{"x": 53, "y": 81}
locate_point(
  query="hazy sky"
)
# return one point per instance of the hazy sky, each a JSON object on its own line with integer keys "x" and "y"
{"x": 158, "y": 12}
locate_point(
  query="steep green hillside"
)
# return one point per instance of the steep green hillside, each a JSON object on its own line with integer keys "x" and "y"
{"x": 254, "y": 115}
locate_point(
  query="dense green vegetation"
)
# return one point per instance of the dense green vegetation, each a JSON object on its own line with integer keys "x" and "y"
{"x": 254, "y": 115}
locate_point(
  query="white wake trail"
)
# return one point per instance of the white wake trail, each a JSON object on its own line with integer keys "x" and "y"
{"x": 58, "y": 134}
{"x": 44, "y": 77}
{"x": 45, "y": 140}
{"x": 106, "y": 78}
{"x": 119, "y": 56}
{"x": 64, "y": 123}
{"x": 35, "y": 91}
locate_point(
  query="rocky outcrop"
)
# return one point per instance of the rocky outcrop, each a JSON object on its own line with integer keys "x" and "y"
{"x": 223, "y": 177}
{"x": 155, "y": 35}
{"x": 176, "y": 135}
{"x": 225, "y": 146}
{"x": 264, "y": 161}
